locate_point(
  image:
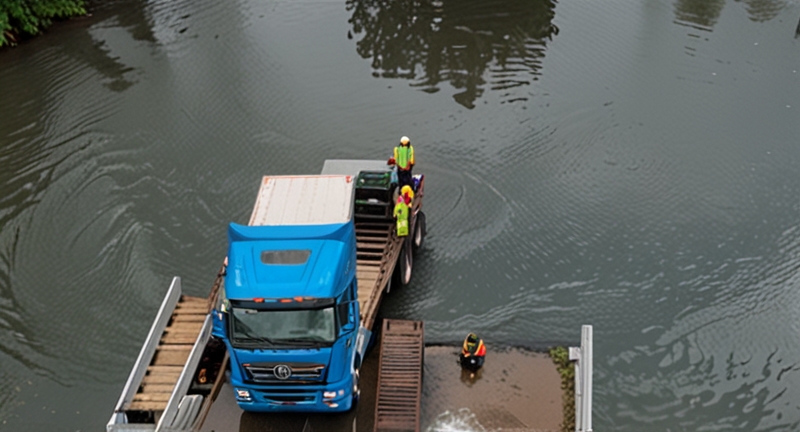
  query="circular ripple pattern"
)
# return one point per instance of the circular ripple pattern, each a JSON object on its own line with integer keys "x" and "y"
{"x": 627, "y": 165}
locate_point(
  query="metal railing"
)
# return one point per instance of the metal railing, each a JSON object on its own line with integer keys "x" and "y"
{"x": 169, "y": 420}
{"x": 145, "y": 356}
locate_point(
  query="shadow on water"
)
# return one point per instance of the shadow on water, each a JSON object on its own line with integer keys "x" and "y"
{"x": 436, "y": 41}
{"x": 130, "y": 15}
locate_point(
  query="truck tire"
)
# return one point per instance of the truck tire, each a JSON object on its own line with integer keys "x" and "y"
{"x": 357, "y": 389}
{"x": 419, "y": 230}
{"x": 406, "y": 264}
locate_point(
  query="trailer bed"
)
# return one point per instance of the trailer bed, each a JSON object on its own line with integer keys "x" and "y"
{"x": 377, "y": 248}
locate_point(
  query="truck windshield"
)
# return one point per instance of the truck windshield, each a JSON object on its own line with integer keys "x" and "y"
{"x": 283, "y": 327}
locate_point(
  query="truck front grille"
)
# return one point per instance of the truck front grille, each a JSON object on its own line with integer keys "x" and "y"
{"x": 289, "y": 399}
{"x": 299, "y": 372}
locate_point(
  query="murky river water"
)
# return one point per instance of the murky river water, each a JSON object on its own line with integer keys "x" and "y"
{"x": 628, "y": 164}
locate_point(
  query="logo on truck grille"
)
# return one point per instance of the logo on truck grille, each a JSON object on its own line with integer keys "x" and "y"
{"x": 282, "y": 372}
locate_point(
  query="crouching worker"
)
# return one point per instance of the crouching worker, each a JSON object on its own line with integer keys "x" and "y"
{"x": 473, "y": 353}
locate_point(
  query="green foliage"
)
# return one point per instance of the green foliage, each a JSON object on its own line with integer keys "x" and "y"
{"x": 30, "y": 17}
{"x": 566, "y": 369}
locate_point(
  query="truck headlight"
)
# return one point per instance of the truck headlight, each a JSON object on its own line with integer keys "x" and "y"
{"x": 332, "y": 394}
{"x": 243, "y": 395}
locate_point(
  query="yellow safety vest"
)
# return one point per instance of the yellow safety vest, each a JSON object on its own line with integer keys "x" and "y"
{"x": 404, "y": 156}
{"x": 401, "y": 214}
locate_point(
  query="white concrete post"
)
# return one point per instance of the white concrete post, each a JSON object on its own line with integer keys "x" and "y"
{"x": 575, "y": 356}
{"x": 586, "y": 358}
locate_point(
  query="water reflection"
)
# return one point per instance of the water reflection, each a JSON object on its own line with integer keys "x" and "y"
{"x": 746, "y": 397}
{"x": 764, "y": 10}
{"x": 797, "y": 31}
{"x": 435, "y": 41}
{"x": 705, "y": 13}
{"x": 469, "y": 378}
{"x": 133, "y": 18}
{"x": 700, "y": 13}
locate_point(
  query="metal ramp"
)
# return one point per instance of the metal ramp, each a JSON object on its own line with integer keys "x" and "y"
{"x": 174, "y": 347}
{"x": 156, "y": 396}
{"x": 400, "y": 377}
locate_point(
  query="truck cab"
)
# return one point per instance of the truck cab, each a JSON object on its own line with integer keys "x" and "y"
{"x": 288, "y": 309}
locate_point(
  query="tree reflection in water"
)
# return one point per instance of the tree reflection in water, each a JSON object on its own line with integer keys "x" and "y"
{"x": 705, "y": 13}
{"x": 435, "y": 41}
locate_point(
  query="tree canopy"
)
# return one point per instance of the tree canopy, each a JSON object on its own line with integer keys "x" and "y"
{"x": 19, "y": 18}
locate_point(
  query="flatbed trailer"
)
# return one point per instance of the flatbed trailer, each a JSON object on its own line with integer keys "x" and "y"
{"x": 378, "y": 248}
{"x": 180, "y": 368}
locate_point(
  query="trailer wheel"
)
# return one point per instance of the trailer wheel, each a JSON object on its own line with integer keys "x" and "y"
{"x": 401, "y": 275}
{"x": 406, "y": 264}
{"x": 419, "y": 230}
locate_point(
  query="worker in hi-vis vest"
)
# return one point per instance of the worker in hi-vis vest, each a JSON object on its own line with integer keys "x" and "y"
{"x": 404, "y": 160}
{"x": 401, "y": 215}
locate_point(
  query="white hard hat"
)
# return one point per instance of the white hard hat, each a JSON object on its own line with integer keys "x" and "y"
{"x": 404, "y": 140}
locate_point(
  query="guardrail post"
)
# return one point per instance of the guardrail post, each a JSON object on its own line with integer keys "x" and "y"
{"x": 583, "y": 380}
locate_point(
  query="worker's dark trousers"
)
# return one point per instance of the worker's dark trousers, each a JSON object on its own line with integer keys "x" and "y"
{"x": 404, "y": 178}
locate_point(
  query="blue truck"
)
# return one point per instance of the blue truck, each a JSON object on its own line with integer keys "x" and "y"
{"x": 288, "y": 312}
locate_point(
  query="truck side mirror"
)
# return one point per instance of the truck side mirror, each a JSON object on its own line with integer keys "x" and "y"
{"x": 219, "y": 321}
{"x": 219, "y": 315}
{"x": 347, "y": 312}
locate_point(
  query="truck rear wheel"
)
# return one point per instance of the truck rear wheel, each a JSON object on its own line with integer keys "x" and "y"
{"x": 419, "y": 230}
{"x": 406, "y": 264}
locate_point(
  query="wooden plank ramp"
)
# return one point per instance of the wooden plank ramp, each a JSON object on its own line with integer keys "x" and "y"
{"x": 377, "y": 248}
{"x": 400, "y": 377}
{"x": 173, "y": 350}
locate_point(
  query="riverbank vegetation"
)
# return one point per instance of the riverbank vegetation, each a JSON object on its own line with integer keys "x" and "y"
{"x": 24, "y": 18}
{"x": 566, "y": 369}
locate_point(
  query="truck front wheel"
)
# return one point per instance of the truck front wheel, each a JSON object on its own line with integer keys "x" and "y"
{"x": 356, "y": 388}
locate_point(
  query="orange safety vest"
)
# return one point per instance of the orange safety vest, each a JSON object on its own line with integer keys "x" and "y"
{"x": 469, "y": 349}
